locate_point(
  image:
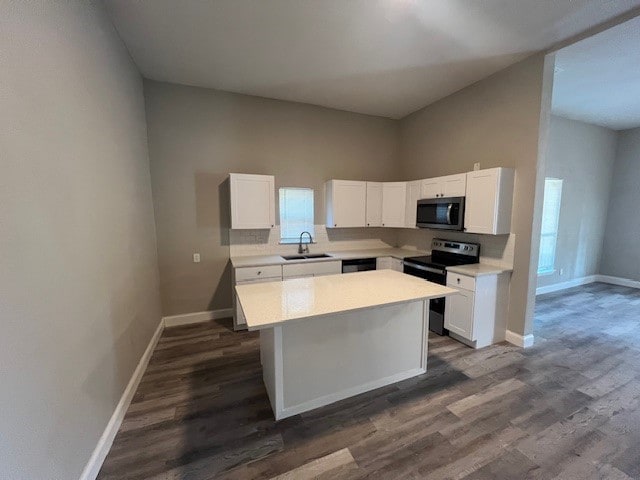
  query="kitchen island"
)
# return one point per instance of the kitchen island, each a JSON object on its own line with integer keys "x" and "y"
{"x": 323, "y": 339}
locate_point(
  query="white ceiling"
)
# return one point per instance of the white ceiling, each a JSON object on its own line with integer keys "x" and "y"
{"x": 379, "y": 57}
{"x": 597, "y": 80}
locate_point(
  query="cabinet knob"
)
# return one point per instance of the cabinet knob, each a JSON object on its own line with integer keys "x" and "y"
{"x": 260, "y": 273}
{"x": 368, "y": 224}
{"x": 335, "y": 224}
{"x": 458, "y": 280}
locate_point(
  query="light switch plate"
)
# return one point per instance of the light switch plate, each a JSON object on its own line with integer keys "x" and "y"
{"x": 476, "y": 167}
{"x": 196, "y": 258}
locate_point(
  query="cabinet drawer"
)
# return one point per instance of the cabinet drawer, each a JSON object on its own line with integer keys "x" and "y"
{"x": 384, "y": 263}
{"x": 308, "y": 269}
{"x": 456, "y": 280}
{"x": 254, "y": 273}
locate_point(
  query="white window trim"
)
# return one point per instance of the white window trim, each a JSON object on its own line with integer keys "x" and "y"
{"x": 310, "y": 227}
{"x": 551, "y": 269}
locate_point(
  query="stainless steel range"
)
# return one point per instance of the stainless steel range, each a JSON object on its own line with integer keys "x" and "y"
{"x": 444, "y": 253}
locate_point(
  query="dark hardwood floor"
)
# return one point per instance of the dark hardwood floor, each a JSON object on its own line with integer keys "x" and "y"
{"x": 567, "y": 408}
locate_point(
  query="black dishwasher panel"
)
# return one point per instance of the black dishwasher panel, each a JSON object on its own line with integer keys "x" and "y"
{"x": 358, "y": 265}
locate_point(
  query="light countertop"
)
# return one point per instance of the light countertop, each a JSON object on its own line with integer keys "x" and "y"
{"x": 274, "y": 259}
{"x": 269, "y": 304}
{"x": 479, "y": 269}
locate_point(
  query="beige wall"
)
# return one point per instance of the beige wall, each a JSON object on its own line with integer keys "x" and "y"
{"x": 495, "y": 122}
{"x": 621, "y": 256}
{"x": 78, "y": 270}
{"x": 582, "y": 155}
{"x": 197, "y": 136}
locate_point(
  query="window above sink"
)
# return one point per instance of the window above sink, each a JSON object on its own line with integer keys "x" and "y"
{"x": 296, "y": 213}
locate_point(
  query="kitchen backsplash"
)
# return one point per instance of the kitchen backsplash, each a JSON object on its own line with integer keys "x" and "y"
{"x": 267, "y": 242}
{"x": 494, "y": 249}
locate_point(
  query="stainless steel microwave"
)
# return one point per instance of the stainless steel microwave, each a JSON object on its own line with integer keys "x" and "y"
{"x": 441, "y": 213}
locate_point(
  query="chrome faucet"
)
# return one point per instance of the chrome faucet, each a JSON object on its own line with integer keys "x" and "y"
{"x": 304, "y": 249}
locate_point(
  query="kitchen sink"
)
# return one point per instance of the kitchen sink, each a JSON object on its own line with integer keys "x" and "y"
{"x": 308, "y": 256}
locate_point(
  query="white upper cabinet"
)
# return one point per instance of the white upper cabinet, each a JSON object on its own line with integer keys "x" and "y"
{"x": 448, "y": 186}
{"x": 346, "y": 202}
{"x": 454, "y": 185}
{"x": 374, "y": 204}
{"x": 394, "y": 199}
{"x": 430, "y": 188}
{"x": 252, "y": 201}
{"x": 489, "y": 201}
{"x": 414, "y": 190}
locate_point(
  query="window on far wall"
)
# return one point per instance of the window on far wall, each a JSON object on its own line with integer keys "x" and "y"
{"x": 550, "y": 219}
{"x": 296, "y": 214}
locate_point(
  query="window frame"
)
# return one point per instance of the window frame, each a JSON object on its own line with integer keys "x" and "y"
{"x": 544, "y": 270}
{"x": 310, "y": 221}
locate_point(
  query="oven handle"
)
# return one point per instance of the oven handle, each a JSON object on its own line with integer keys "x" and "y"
{"x": 449, "y": 213}
{"x": 423, "y": 268}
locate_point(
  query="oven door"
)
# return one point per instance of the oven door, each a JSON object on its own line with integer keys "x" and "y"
{"x": 441, "y": 213}
{"x": 436, "y": 305}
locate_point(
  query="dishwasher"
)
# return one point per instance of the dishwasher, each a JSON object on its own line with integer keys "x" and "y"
{"x": 358, "y": 265}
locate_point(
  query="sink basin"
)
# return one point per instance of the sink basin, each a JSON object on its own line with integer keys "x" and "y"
{"x": 316, "y": 255}
{"x": 293, "y": 257}
{"x": 307, "y": 256}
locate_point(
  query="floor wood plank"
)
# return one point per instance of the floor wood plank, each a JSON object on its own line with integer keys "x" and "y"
{"x": 569, "y": 407}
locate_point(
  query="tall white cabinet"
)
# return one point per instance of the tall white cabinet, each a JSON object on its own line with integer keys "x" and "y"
{"x": 346, "y": 202}
{"x": 414, "y": 192}
{"x": 489, "y": 201}
{"x": 394, "y": 198}
{"x": 374, "y": 204}
{"x": 253, "y": 200}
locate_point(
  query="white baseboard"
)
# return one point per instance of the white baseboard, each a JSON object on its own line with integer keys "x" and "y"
{"x": 197, "y": 317}
{"x": 576, "y": 282}
{"x": 624, "y": 282}
{"x": 519, "y": 340}
{"x": 92, "y": 468}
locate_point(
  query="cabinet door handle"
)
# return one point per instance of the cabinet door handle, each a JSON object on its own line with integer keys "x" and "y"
{"x": 458, "y": 280}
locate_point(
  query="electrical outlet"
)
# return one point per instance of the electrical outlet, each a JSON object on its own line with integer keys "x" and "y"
{"x": 476, "y": 166}
{"x": 562, "y": 271}
{"x": 196, "y": 258}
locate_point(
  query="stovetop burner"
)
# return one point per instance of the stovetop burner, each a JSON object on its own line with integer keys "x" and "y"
{"x": 447, "y": 253}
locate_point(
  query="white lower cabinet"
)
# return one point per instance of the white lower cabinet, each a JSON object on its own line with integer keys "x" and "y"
{"x": 238, "y": 318}
{"x": 240, "y": 276}
{"x": 477, "y": 315}
{"x": 276, "y": 273}
{"x": 317, "y": 269}
{"x": 389, "y": 263}
{"x": 459, "y": 314}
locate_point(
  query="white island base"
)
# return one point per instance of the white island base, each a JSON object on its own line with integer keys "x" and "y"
{"x": 323, "y": 339}
{"x": 308, "y": 364}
